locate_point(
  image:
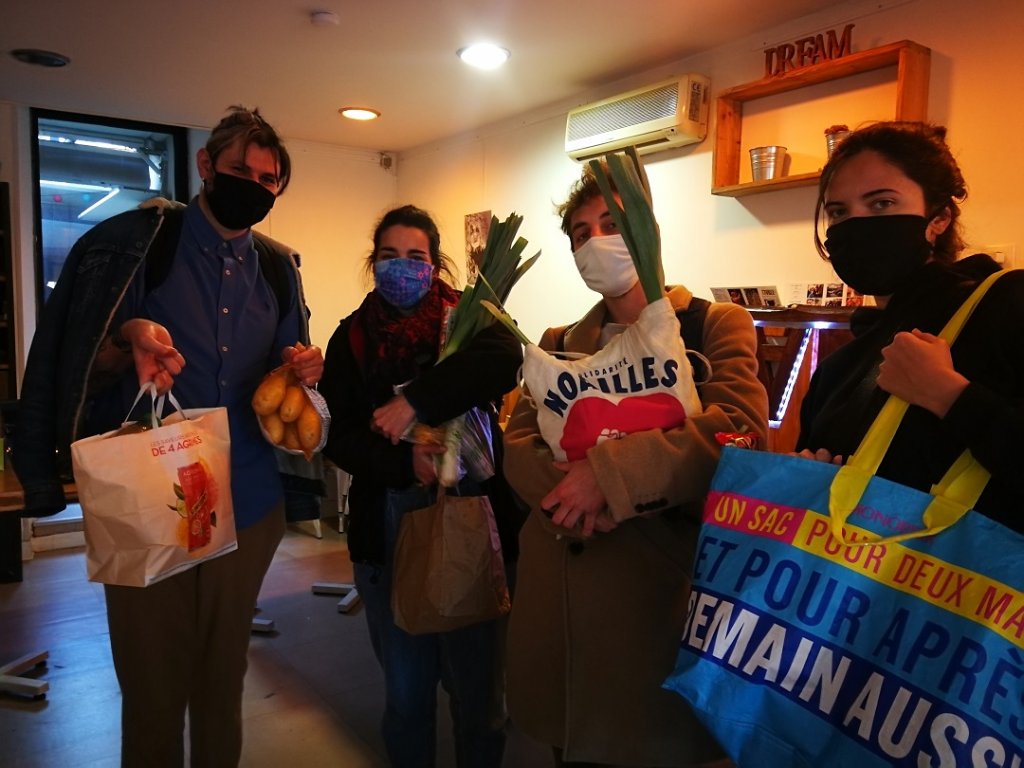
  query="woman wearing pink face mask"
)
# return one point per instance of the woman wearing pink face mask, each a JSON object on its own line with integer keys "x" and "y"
{"x": 392, "y": 340}
{"x": 890, "y": 196}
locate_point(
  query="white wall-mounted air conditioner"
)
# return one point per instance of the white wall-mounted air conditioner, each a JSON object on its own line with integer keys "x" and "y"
{"x": 667, "y": 114}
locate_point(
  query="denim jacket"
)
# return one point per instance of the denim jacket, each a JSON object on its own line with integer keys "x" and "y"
{"x": 76, "y": 318}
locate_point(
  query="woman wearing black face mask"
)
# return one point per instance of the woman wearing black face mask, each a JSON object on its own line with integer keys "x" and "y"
{"x": 890, "y": 197}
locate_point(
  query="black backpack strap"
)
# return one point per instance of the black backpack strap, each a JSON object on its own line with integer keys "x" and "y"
{"x": 274, "y": 271}
{"x": 691, "y": 323}
{"x": 691, "y": 328}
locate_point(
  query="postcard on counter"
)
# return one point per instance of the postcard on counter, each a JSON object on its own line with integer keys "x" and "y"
{"x": 749, "y": 296}
{"x": 823, "y": 295}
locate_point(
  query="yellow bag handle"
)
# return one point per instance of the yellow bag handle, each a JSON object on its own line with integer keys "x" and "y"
{"x": 958, "y": 490}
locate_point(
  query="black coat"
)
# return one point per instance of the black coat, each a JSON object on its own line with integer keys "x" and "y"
{"x": 987, "y": 418}
{"x": 480, "y": 374}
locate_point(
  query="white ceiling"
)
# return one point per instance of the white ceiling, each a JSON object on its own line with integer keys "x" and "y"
{"x": 184, "y": 61}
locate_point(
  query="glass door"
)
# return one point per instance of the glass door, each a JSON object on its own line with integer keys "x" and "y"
{"x": 88, "y": 169}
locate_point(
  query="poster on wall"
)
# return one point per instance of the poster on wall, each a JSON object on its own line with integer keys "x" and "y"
{"x": 477, "y": 226}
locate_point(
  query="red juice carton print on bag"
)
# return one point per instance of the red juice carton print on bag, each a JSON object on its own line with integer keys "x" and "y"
{"x": 196, "y": 494}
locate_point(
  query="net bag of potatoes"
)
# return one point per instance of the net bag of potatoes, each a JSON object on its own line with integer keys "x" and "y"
{"x": 292, "y": 416}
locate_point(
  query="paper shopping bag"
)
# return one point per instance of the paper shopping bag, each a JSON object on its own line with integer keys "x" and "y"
{"x": 448, "y": 570}
{"x": 840, "y": 619}
{"x": 640, "y": 380}
{"x": 155, "y": 501}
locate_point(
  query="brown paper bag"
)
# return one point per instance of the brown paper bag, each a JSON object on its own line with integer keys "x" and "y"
{"x": 156, "y": 501}
{"x": 448, "y": 570}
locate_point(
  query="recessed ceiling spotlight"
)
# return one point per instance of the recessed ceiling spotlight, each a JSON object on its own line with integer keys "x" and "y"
{"x": 484, "y": 55}
{"x": 324, "y": 19}
{"x": 40, "y": 58}
{"x": 359, "y": 113}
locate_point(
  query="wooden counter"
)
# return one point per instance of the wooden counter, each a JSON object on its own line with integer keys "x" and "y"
{"x": 803, "y": 316}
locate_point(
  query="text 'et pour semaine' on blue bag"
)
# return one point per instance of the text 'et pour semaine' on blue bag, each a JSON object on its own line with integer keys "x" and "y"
{"x": 805, "y": 649}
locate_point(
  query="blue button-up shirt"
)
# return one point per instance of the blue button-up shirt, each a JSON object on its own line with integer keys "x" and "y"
{"x": 223, "y": 317}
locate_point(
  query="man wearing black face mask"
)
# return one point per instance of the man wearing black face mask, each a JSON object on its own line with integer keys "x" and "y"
{"x": 192, "y": 298}
{"x": 236, "y": 202}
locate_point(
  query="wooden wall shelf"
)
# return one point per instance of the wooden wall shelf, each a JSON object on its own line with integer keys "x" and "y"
{"x": 756, "y": 187}
{"x": 912, "y": 62}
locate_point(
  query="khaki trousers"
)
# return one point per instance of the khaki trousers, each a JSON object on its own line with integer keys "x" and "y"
{"x": 181, "y": 644}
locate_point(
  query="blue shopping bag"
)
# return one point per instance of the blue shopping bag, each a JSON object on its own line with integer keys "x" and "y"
{"x": 840, "y": 619}
{"x": 802, "y": 649}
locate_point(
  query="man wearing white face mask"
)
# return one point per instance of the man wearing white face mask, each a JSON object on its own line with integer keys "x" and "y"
{"x": 605, "y": 265}
{"x": 606, "y": 553}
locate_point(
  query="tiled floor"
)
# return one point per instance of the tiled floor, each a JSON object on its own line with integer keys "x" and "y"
{"x": 313, "y": 693}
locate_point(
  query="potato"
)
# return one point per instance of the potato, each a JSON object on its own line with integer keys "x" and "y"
{"x": 291, "y": 437}
{"x": 273, "y": 426}
{"x": 293, "y": 403}
{"x": 310, "y": 430}
{"x": 270, "y": 393}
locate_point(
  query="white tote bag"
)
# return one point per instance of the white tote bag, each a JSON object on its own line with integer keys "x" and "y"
{"x": 640, "y": 380}
{"x": 156, "y": 501}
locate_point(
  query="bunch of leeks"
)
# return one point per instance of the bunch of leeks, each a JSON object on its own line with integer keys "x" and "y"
{"x": 500, "y": 269}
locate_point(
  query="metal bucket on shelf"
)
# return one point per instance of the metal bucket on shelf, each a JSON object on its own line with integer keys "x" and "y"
{"x": 832, "y": 140}
{"x": 766, "y": 162}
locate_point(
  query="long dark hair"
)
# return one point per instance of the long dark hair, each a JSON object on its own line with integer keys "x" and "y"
{"x": 416, "y": 218}
{"x": 921, "y": 152}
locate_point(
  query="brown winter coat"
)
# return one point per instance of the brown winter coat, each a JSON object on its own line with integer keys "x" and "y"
{"x": 595, "y": 624}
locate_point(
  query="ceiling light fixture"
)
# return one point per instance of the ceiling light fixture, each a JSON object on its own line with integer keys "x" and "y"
{"x": 484, "y": 55}
{"x": 359, "y": 113}
{"x": 40, "y": 58}
{"x": 324, "y": 19}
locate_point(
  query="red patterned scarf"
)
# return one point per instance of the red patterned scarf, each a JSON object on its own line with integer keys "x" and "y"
{"x": 398, "y": 346}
